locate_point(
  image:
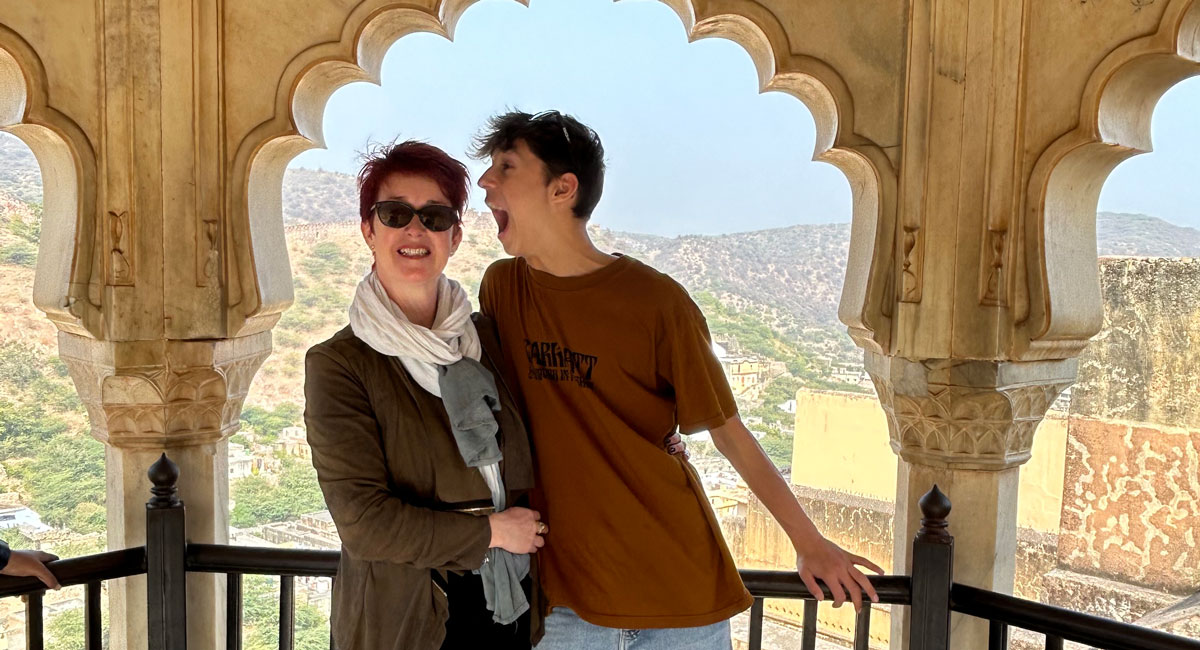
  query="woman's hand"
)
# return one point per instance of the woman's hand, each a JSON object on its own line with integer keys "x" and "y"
{"x": 676, "y": 446}
{"x": 31, "y": 563}
{"x": 517, "y": 530}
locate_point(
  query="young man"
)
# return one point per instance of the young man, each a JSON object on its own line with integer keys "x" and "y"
{"x": 611, "y": 356}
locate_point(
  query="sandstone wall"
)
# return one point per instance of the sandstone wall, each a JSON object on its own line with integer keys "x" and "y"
{"x": 1109, "y": 508}
{"x": 841, "y": 445}
{"x": 1129, "y": 542}
{"x": 1144, "y": 364}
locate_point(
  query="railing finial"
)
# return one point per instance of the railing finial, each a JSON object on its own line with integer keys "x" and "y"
{"x": 164, "y": 475}
{"x": 935, "y": 508}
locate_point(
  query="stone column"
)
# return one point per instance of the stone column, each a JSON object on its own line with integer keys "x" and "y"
{"x": 966, "y": 426}
{"x": 184, "y": 398}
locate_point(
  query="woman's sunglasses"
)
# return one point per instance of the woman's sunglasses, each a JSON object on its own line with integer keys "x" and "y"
{"x": 398, "y": 214}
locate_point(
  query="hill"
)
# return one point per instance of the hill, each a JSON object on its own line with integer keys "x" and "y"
{"x": 791, "y": 277}
{"x": 1141, "y": 235}
{"x": 786, "y": 278}
{"x": 20, "y": 176}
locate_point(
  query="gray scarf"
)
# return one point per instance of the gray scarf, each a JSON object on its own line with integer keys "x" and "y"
{"x": 471, "y": 400}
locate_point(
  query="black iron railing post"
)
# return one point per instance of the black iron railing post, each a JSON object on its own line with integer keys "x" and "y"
{"x": 166, "y": 572}
{"x": 932, "y": 575}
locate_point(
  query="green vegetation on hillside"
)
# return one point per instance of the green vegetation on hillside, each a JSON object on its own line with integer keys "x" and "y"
{"x": 756, "y": 337}
{"x": 65, "y": 480}
{"x": 260, "y": 616}
{"x": 266, "y": 424}
{"x": 21, "y": 248}
{"x": 258, "y": 500}
{"x": 66, "y": 631}
{"x": 56, "y": 464}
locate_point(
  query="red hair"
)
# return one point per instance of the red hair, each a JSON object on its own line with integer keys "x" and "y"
{"x": 418, "y": 159}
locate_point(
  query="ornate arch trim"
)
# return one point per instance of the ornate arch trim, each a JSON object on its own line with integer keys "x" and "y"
{"x": 1063, "y": 309}
{"x": 62, "y": 282}
{"x": 372, "y": 27}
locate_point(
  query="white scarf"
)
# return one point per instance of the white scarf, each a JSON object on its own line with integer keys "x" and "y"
{"x": 381, "y": 324}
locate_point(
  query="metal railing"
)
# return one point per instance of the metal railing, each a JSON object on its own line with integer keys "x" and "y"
{"x": 930, "y": 593}
{"x": 237, "y": 561}
{"x": 1058, "y": 624}
{"x": 89, "y": 570}
{"x": 892, "y": 590}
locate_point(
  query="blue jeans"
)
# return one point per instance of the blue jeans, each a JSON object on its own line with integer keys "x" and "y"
{"x": 566, "y": 631}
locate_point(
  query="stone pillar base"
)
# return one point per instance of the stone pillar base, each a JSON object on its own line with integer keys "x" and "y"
{"x": 966, "y": 426}
{"x": 183, "y": 398}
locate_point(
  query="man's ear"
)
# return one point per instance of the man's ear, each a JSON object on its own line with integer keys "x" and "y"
{"x": 565, "y": 189}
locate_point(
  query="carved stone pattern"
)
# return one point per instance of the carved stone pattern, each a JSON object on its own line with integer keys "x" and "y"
{"x": 89, "y": 384}
{"x": 120, "y": 264}
{"x": 976, "y": 427}
{"x": 910, "y": 286}
{"x": 144, "y": 406}
{"x": 994, "y": 272}
{"x": 209, "y": 257}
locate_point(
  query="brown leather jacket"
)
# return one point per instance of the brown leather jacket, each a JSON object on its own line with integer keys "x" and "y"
{"x": 395, "y": 485}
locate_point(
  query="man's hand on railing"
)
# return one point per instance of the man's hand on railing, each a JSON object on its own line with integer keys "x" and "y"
{"x": 816, "y": 557}
{"x": 838, "y": 569}
{"x": 31, "y": 563}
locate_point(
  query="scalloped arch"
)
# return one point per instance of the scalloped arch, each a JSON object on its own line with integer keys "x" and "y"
{"x": 1064, "y": 308}
{"x": 312, "y": 77}
{"x": 64, "y": 157}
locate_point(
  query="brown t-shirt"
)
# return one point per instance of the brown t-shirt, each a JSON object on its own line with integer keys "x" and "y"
{"x": 609, "y": 363}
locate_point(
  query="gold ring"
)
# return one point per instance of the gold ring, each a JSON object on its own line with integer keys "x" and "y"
{"x": 542, "y": 528}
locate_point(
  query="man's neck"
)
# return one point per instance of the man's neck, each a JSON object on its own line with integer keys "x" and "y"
{"x": 568, "y": 253}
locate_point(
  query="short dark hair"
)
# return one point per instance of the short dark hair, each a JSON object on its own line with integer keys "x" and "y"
{"x": 416, "y": 158}
{"x": 562, "y": 142}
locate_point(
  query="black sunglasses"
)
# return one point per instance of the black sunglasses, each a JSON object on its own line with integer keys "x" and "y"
{"x": 398, "y": 214}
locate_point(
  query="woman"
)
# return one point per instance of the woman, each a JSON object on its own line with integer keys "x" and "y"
{"x": 391, "y": 454}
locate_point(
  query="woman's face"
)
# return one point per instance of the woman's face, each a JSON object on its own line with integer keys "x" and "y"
{"x": 410, "y": 256}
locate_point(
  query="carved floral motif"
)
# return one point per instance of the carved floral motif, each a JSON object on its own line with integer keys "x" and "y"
{"x": 179, "y": 401}
{"x": 966, "y": 426}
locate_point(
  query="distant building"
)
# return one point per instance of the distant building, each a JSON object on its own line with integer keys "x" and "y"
{"x": 21, "y": 517}
{"x": 315, "y": 530}
{"x": 322, "y": 521}
{"x": 13, "y": 634}
{"x": 248, "y": 537}
{"x": 729, "y": 503}
{"x": 241, "y": 463}
{"x": 293, "y": 441}
{"x": 315, "y": 591}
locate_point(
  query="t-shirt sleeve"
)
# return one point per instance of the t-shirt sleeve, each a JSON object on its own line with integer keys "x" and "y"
{"x": 687, "y": 362}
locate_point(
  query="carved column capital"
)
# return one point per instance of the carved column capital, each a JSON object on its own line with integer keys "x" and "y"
{"x": 964, "y": 414}
{"x": 160, "y": 393}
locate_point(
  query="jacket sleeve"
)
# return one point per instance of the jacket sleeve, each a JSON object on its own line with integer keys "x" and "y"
{"x": 374, "y": 523}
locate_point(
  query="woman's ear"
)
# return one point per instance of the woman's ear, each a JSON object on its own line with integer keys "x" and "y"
{"x": 456, "y": 238}
{"x": 368, "y": 232}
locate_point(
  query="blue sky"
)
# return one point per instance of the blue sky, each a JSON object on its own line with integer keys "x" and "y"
{"x": 692, "y": 146}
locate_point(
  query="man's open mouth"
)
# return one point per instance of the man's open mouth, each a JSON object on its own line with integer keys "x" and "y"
{"x": 501, "y": 217}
